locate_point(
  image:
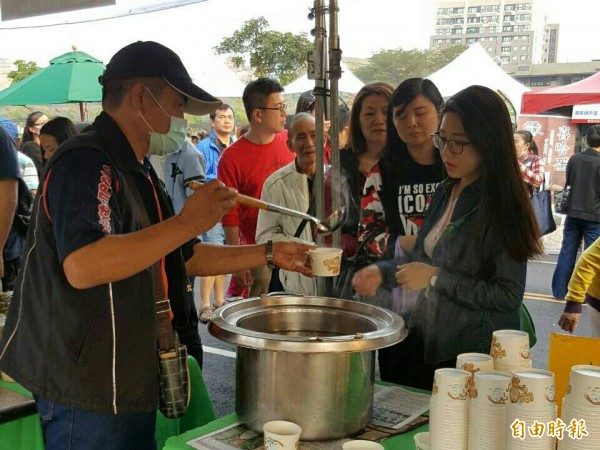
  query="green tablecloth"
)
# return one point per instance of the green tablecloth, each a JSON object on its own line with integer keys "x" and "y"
{"x": 24, "y": 433}
{"x": 404, "y": 441}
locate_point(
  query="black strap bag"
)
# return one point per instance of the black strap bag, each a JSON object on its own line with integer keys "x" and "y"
{"x": 174, "y": 375}
{"x": 542, "y": 207}
{"x": 342, "y": 286}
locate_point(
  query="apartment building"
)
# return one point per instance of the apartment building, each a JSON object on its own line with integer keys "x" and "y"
{"x": 512, "y": 31}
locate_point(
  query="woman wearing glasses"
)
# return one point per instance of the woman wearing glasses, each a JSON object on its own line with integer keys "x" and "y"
{"x": 470, "y": 257}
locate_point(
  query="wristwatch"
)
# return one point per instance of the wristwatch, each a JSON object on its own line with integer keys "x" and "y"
{"x": 269, "y": 254}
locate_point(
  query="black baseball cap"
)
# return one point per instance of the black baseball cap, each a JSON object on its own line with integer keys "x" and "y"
{"x": 151, "y": 59}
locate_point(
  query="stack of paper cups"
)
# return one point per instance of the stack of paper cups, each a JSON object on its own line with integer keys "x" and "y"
{"x": 487, "y": 409}
{"x": 581, "y": 410}
{"x": 449, "y": 410}
{"x": 531, "y": 407}
{"x": 510, "y": 350}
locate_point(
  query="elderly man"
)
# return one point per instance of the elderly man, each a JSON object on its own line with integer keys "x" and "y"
{"x": 291, "y": 186}
{"x": 81, "y": 332}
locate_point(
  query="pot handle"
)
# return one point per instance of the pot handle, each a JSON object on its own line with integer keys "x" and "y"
{"x": 282, "y": 293}
{"x": 351, "y": 337}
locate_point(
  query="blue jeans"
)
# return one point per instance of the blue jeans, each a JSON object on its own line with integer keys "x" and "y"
{"x": 574, "y": 232}
{"x": 67, "y": 428}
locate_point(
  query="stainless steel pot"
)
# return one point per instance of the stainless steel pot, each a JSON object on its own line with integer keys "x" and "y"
{"x": 309, "y": 360}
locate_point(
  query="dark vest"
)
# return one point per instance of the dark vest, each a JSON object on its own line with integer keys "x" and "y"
{"x": 99, "y": 352}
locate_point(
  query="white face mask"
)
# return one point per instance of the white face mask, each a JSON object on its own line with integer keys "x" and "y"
{"x": 164, "y": 143}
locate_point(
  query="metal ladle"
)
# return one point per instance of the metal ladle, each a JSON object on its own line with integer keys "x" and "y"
{"x": 326, "y": 226}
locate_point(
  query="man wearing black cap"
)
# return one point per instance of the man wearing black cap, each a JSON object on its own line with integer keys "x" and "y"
{"x": 81, "y": 332}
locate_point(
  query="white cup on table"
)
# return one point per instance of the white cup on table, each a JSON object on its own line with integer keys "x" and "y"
{"x": 422, "y": 441}
{"x": 361, "y": 445}
{"x": 281, "y": 435}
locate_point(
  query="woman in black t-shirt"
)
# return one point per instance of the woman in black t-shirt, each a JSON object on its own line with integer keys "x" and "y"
{"x": 411, "y": 169}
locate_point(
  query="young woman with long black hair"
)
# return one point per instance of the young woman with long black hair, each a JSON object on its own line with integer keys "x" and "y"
{"x": 470, "y": 257}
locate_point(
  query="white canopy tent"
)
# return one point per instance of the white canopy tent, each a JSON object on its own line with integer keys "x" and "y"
{"x": 475, "y": 66}
{"x": 212, "y": 75}
{"x": 348, "y": 83}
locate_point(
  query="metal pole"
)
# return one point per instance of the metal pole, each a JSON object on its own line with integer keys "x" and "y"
{"x": 319, "y": 91}
{"x": 335, "y": 72}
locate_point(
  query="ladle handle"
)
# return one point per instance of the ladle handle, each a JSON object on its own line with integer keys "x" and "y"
{"x": 251, "y": 202}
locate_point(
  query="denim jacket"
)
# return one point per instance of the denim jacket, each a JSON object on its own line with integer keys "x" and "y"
{"x": 479, "y": 287}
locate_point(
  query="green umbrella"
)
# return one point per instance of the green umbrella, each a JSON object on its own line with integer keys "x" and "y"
{"x": 70, "y": 78}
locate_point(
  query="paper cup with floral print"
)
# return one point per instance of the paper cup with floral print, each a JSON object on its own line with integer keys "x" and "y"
{"x": 281, "y": 435}
{"x": 532, "y": 389}
{"x": 325, "y": 262}
{"x": 583, "y": 390}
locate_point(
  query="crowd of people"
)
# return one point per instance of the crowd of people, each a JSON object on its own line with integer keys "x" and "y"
{"x": 432, "y": 189}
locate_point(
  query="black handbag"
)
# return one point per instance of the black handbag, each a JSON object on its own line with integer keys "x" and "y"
{"x": 342, "y": 286}
{"x": 542, "y": 207}
{"x": 173, "y": 371}
{"x": 561, "y": 200}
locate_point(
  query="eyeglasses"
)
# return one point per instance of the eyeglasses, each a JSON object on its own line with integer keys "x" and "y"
{"x": 281, "y": 108}
{"x": 454, "y": 147}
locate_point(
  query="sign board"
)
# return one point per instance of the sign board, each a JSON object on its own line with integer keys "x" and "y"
{"x": 555, "y": 138}
{"x": 586, "y": 114}
{"x": 20, "y": 9}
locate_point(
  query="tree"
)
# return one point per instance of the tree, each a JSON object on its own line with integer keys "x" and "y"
{"x": 395, "y": 66}
{"x": 269, "y": 53}
{"x": 23, "y": 70}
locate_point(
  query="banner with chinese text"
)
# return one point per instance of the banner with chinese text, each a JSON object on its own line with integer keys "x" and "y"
{"x": 555, "y": 138}
{"x": 586, "y": 114}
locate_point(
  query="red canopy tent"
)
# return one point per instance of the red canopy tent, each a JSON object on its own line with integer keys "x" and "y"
{"x": 583, "y": 92}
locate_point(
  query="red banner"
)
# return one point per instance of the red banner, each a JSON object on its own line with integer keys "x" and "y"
{"x": 555, "y": 139}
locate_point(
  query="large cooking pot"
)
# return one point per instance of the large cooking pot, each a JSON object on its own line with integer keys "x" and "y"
{"x": 309, "y": 360}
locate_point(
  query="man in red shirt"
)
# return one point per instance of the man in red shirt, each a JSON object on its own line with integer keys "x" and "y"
{"x": 248, "y": 162}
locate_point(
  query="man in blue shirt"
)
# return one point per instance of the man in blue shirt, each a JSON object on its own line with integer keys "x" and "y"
{"x": 222, "y": 122}
{"x": 182, "y": 167}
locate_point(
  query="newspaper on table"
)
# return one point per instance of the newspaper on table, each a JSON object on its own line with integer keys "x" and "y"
{"x": 393, "y": 407}
{"x": 238, "y": 437}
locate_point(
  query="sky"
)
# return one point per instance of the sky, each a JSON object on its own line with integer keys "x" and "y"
{"x": 365, "y": 26}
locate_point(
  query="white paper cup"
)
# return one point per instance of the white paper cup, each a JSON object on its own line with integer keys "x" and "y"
{"x": 422, "y": 441}
{"x": 361, "y": 445}
{"x": 490, "y": 389}
{"x": 474, "y": 362}
{"x": 326, "y": 262}
{"x": 450, "y": 385}
{"x": 583, "y": 390}
{"x": 510, "y": 348}
{"x": 532, "y": 389}
{"x": 281, "y": 435}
